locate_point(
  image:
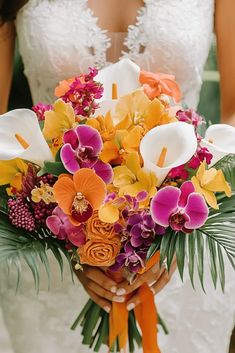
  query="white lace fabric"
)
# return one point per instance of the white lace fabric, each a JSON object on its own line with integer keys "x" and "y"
{"x": 59, "y": 39}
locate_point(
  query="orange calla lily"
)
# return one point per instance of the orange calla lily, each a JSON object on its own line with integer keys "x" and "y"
{"x": 156, "y": 84}
{"x": 80, "y": 195}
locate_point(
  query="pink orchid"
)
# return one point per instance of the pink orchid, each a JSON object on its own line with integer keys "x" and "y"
{"x": 60, "y": 226}
{"x": 182, "y": 209}
{"x": 81, "y": 149}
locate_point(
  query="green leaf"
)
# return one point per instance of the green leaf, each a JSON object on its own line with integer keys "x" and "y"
{"x": 155, "y": 246}
{"x": 18, "y": 245}
{"x": 180, "y": 253}
{"x": 82, "y": 314}
{"x": 171, "y": 250}
{"x": 191, "y": 257}
{"x": 221, "y": 267}
{"x": 3, "y": 199}
{"x": 165, "y": 243}
{"x": 90, "y": 323}
{"x": 200, "y": 256}
{"x": 213, "y": 259}
{"x": 54, "y": 168}
{"x": 227, "y": 165}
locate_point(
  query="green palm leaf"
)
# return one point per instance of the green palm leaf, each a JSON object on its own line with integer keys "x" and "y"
{"x": 17, "y": 245}
{"x": 227, "y": 165}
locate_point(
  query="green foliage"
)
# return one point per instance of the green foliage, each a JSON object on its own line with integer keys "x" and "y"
{"x": 227, "y": 165}
{"x": 54, "y": 168}
{"x": 17, "y": 245}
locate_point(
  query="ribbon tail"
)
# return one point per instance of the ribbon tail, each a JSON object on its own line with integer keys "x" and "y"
{"x": 146, "y": 315}
{"x": 118, "y": 325}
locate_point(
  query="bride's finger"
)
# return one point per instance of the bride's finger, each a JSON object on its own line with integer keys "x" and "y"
{"x": 99, "y": 277}
{"x": 149, "y": 276}
{"x": 103, "y": 293}
{"x": 104, "y": 304}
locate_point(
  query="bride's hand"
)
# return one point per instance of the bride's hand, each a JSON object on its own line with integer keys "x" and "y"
{"x": 157, "y": 278}
{"x": 99, "y": 286}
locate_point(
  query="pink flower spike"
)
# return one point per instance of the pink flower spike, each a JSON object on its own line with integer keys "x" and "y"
{"x": 164, "y": 204}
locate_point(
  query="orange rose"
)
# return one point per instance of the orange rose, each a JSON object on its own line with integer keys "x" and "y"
{"x": 96, "y": 229}
{"x": 99, "y": 252}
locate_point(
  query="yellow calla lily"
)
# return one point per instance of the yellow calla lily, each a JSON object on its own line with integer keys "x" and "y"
{"x": 58, "y": 120}
{"x": 208, "y": 182}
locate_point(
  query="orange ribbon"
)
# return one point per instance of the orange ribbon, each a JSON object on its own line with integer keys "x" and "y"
{"x": 157, "y": 83}
{"x": 145, "y": 313}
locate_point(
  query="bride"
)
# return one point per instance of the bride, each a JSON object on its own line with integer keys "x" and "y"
{"x": 61, "y": 38}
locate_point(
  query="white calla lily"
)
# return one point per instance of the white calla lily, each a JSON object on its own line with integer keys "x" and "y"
{"x": 23, "y": 123}
{"x": 179, "y": 141}
{"x": 124, "y": 73}
{"x": 220, "y": 141}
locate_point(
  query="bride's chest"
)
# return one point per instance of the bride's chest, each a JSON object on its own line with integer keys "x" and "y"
{"x": 65, "y": 33}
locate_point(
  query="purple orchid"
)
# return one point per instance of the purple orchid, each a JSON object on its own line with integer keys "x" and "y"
{"x": 182, "y": 209}
{"x": 81, "y": 149}
{"x": 143, "y": 229}
{"x": 60, "y": 226}
{"x": 131, "y": 258}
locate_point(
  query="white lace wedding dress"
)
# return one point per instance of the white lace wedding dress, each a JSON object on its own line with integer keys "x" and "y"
{"x": 59, "y": 39}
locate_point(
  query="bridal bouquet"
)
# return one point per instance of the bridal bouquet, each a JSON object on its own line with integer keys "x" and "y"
{"x": 115, "y": 175}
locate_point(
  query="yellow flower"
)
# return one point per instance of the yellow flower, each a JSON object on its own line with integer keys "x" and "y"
{"x": 45, "y": 192}
{"x": 105, "y": 126}
{"x": 123, "y": 143}
{"x": 12, "y": 173}
{"x": 137, "y": 109}
{"x": 58, "y": 120}
{"x": 131, "y": 179}
{"x": 207, "y": 182}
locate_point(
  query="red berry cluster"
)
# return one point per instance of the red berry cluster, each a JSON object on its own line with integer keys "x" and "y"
{"x": 41, "y": 211}
{"x": 20, "y": 215}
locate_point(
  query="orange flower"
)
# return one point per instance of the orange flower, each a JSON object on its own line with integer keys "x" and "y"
{"x": 80, "y": 195}
{"x": 96, "y": 229}
{"x": 156, "y": 84}
{"x": 100, "y": 252}
{"x": 63, "y": 87}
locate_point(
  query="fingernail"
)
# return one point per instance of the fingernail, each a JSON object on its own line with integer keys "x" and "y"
{"x": 119, "y": 299}
{"x": 113, "y": 289}
{"x": 107, "y": 309}
{"x": 121, "y": 291}
{"x": 130, "y": 306}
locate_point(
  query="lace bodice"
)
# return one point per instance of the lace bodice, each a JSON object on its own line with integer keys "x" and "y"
{"x": 61, "y": 38}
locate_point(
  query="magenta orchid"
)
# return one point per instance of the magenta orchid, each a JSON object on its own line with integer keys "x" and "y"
{"x": 182, "y": 209}
{"x": 60, "y": 226}
{"x": 81, "y": 149}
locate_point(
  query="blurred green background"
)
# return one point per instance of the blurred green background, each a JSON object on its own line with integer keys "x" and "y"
{"x": 209, "y": 102}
